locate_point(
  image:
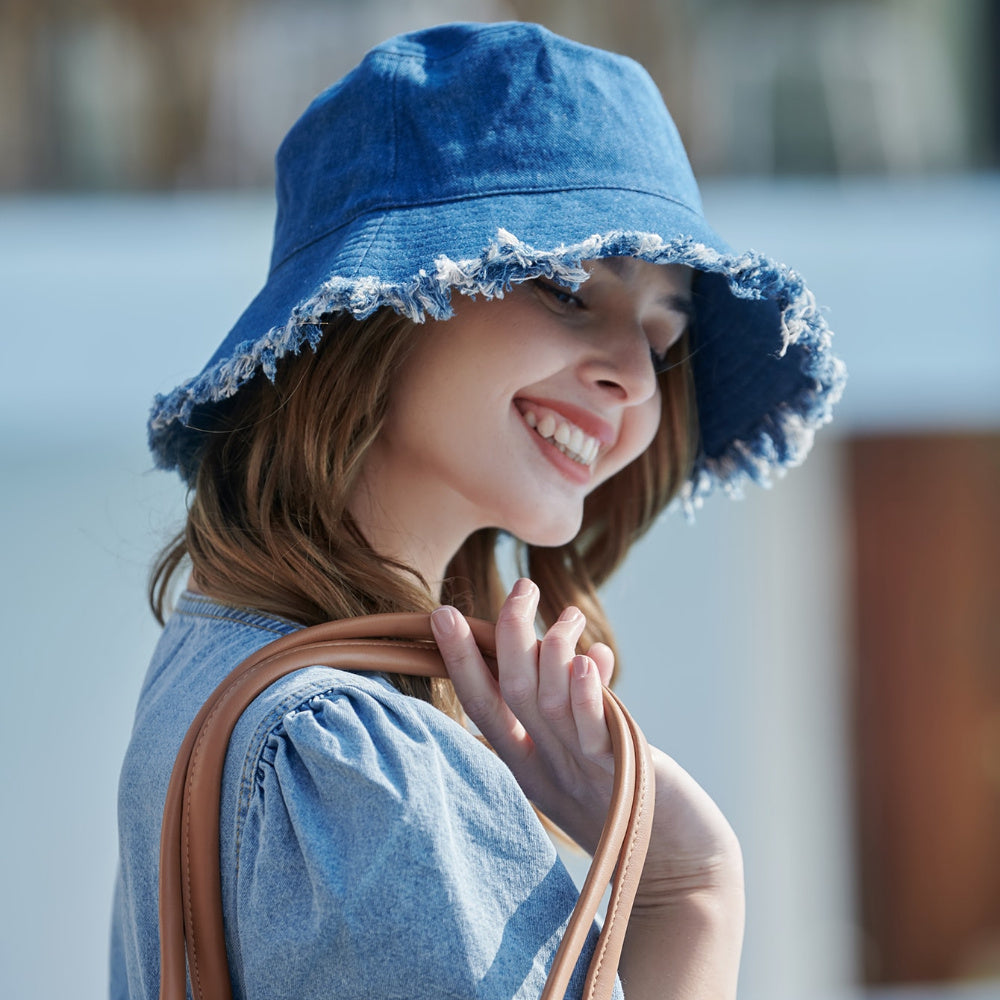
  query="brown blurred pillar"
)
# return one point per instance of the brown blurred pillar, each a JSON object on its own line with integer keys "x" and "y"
{"x": 927, "y": 690}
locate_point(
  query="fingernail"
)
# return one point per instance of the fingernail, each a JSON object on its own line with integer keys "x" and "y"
{"x": 523, "y": 588}
{"x": 581, "y": 666}
{"x": 445, "y": 620}
{"x": 570, "y": 615}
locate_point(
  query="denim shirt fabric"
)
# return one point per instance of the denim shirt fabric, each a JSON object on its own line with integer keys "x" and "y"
{"x": 371, "y": 847}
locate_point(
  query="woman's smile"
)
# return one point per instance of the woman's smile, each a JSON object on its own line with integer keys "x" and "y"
{"x": 565, "y": 437}
{"x": 556, "y": 428}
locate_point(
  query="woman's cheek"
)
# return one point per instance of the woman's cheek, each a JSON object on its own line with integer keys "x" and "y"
{"x": 649, "y": 416}
{"x": 637, "y": 433}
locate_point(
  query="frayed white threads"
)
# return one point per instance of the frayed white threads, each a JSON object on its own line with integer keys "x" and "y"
{"x": 783, "y": 436}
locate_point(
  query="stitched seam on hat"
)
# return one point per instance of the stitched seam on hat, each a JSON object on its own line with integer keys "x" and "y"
{"x": 431, "y": 203}
{"x": 374, "y": 236}
{"x": 419, "y": 52}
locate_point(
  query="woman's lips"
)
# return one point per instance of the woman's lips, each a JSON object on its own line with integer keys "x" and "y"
{"x": 588, "y": 422}
{"x": 567, "y": 437}
{"x": 562, "y": 439}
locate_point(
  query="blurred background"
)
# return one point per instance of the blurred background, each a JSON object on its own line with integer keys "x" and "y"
{"x": 824, "y": 657}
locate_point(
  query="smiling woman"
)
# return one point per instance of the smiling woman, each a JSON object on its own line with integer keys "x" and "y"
{"x": 511, "y": 329}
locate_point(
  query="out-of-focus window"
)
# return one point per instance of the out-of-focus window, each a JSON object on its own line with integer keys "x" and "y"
{"x": 140, "y": 94}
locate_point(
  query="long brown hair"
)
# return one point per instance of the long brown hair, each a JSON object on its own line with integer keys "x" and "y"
{"x": 268, "y": 525}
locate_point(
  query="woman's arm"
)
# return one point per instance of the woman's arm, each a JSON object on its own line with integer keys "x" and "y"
{"x": 545, "y": 718}
{"x": 686, "y": 929}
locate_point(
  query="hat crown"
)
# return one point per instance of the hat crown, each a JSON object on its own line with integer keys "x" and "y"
{"x": 469, "y": 111}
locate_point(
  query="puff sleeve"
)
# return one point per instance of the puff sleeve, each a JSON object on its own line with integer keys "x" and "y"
{"x": 381, "y": 851}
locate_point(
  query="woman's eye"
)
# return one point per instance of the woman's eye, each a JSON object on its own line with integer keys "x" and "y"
{"x": 559, "y": 294}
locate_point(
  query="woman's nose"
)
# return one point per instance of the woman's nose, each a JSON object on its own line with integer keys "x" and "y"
{"x": 621, "y": 364}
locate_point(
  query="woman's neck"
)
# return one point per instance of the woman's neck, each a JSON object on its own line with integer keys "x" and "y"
{"x": 427, "y": 550}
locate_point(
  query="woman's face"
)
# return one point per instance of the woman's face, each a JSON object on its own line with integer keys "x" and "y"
{"x": 511, "y": 412}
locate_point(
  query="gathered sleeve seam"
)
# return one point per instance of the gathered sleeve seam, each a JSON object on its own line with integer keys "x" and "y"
{"x": 298, "y": 698}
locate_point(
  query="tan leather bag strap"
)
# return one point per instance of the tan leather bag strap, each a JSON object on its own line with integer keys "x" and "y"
{"x": 192, "y": 934}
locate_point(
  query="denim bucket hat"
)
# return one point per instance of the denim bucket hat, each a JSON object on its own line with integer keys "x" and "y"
{"x": 468, "y": 157}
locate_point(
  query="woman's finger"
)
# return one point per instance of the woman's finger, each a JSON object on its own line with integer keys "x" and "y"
{"x": 517, "y": 650}
{"x": 587, "y": 697}
{"x": 474, "y": 684}
{"x": 604, "y": 657}
{"x": 557, "y": 650}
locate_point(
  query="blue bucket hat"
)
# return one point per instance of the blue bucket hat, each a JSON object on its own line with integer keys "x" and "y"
{"x": 469, "y": 157}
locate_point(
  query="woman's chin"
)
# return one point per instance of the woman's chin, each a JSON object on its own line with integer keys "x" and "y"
{"x": 550, "y": 534}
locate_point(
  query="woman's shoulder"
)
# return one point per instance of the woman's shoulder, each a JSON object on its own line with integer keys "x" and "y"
{"x": 371, "y": 819}
{"x": 356, "y": 821}
{"x": 353, "y": 744}
{"x": 334, "y": 718}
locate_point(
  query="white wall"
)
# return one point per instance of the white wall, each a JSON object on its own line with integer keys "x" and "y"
{"x": 732, "y": 629}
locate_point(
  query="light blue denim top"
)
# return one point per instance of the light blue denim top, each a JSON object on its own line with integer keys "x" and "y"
{"x": 371, "y": 847}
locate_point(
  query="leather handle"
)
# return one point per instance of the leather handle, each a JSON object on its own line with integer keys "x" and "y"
{"x": 192, "y": 933}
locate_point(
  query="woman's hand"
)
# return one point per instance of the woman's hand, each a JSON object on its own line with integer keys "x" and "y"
{"x": 545, "y": 719}
{"x": 544, "y": 716}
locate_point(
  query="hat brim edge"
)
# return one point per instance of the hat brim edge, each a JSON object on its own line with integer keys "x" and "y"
{"x": 781, "y": 439}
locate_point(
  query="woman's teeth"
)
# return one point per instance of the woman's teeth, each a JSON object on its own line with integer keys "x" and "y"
{"x": 567, "y": 437}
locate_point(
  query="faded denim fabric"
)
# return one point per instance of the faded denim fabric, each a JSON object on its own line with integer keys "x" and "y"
{"x": 371, "y": 847}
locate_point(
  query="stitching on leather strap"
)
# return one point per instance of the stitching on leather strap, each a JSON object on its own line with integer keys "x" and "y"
{"x": 626, "y": 864}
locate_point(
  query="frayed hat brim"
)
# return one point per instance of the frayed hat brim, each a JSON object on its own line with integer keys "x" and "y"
{"x": 747, "y": 304}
